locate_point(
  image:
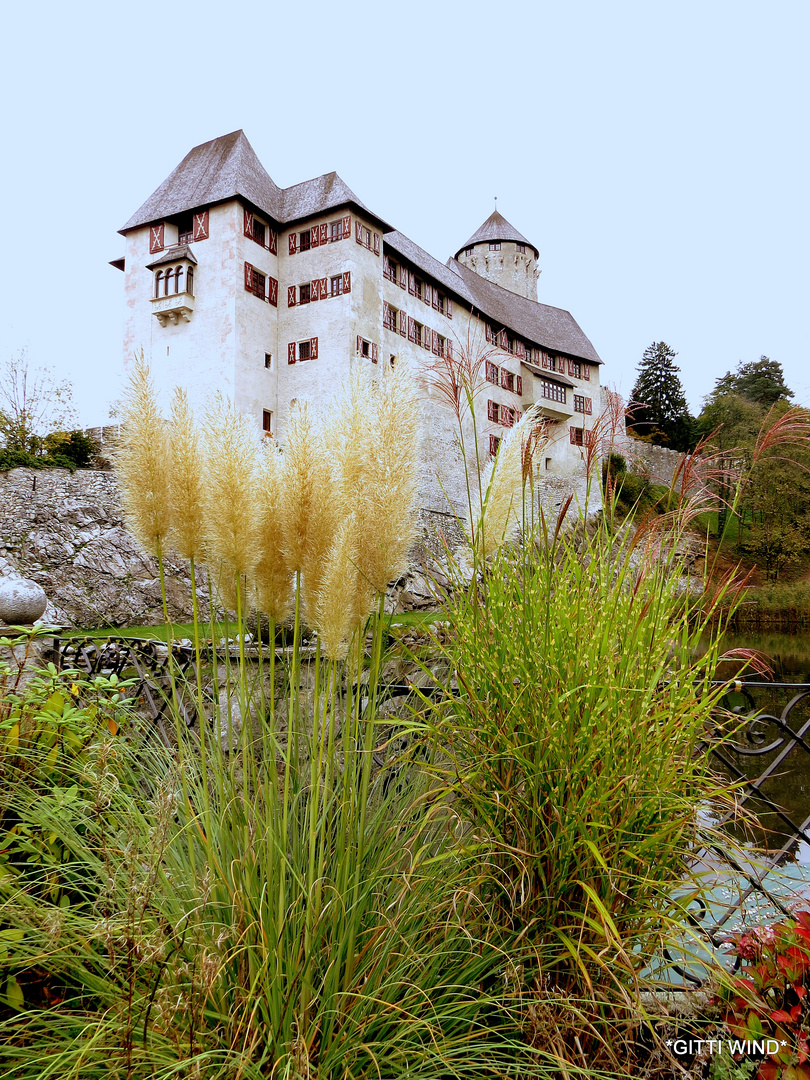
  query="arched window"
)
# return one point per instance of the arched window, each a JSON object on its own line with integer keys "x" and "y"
{"x": 178, "y": 281}
{"x": 168, "y": 282}
{"x": 158, "y": 279}
{"x": 190, "y": 281}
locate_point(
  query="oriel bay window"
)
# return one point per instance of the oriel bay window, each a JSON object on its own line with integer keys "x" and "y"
{"x": 552, "y": 391}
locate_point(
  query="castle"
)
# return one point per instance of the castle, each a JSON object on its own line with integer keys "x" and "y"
{"x": 269, "y": 295}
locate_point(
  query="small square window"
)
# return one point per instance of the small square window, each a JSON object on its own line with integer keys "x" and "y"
{"x": 268, "y": 360}
{"x": 468, "y": 251}
{"x": 521, "y": 249}
{"x": 495, "y": 246}
{"x": 336, "y": 285}
{"x": 304, "y": 352}
{"x": 304, "y": 293}
{"x": 335, "y": 231}
{"x": 365, "y": 348}
{"x": 267, "y": 422}
{"x": 304, "y": 240}
{"x": 548, "y": 463}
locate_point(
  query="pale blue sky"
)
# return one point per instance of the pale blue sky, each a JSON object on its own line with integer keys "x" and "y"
{"x": 655, "y": 154}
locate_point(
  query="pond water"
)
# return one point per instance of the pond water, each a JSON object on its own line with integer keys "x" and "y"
{"x": 789, "y": 787}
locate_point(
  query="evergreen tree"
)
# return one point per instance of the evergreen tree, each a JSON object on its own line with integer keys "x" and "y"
{"x": 658, "y": 408}
{"x": 761, "y": 381}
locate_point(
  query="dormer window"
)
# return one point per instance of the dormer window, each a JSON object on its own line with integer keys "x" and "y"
{"x": 185, "y": 229}
{"x": 521, "y": 248}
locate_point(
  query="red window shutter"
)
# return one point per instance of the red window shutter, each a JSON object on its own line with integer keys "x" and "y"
{"x": 519, "y": 384}
{"x": 521, "y": 350}
{"x": 403, "y": 324}
{"x": 448, "y": 346}
{"x": 403, "y": 276}
{"x": 427, "y": 339}
{"x": 386, "y": 309}
{"x": 586, "y": 372}
{"x": 323, "y": 230}
{"x": 291, "y": 291}
{"x": 411, "y": 329}
{"x": 376, "y": 243}
{"x": 314, "y": 236}
{"x": 570, "y": 367}
{"x": 572, "y": 432}
{"x": 386, "y": 267}
{"x": 156, "y": 234}
{"x": 248, "y": 277}
{"x": 448, "y": 308}
{"x": 291, "y": 353}
{"x": 293, "y": 243}
{"x": 435, "y": 343}
{"x": 248, "y": 224}
{"x": 359, "y": 344}
{"x": 374, "y": 357}
{"x": 347, "y": 227}
{"x": 588, "y": 406}
{"x": 492, "y": 411}
{"x": 273, "y": 242}
{"x": 272, "y": 291}
{"x": 411, "y": 284}
{"x": 201, "y": 225}
{"x": 358, "y": 232}
{"x": 493, "y": 444}
{"x": 347, "y": 281}
{"x": 324, "y": 285}
{"x": 435, "y": 299}
{"x": 313, "y": 348}
{"x": 315, "y": 289}
{"x": 488, "y": 331}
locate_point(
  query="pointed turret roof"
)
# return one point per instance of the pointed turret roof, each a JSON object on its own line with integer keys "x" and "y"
{"x": 496, "y": 227}
{"x": 227, "y": 168}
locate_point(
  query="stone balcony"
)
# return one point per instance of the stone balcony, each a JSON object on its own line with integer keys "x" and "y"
{"x": 173, "y": 308}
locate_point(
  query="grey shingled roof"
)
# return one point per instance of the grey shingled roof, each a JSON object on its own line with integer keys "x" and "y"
{"x": 553, "y": 328}
{"x": 496, "y": 227}
{"x": 211, "y": 173}
{"x": 539, "y": 324}
{"x": 172, "y": 254}
{"x": 228, "y": 168}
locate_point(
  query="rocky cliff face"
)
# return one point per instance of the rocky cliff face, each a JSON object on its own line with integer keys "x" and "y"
{"x": 66, "y": 531}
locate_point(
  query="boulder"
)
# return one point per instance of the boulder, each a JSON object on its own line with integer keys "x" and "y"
{"x": 22, "y": 601}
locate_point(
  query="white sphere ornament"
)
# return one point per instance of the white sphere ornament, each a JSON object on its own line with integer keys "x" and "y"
{"x": 22, "y": 601}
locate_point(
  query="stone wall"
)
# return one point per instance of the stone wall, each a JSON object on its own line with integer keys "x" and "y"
{"x": 66, "y": 531}
{"x": 657, "y": 462}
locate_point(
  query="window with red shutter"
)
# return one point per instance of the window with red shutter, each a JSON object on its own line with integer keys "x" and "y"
{"x": 411, "y": 284}
{"x": 201, "y": 225}
{"x": 586, "y": 372}
{"x": 492, "y": 411}
{"x": 411, "y": 329}
{"x": 449, "y": 349}
{"x": 519, "y": 384}
{"x": 435, "y": 299}
{"x": 521, "y": 350}
{"x": 248, "y": 224}
{"x": 358, "y": 232}
{"x": 347, "y": 281}
{"x": 291, "y": 295}
{"x": 248, "y": 277}
{"x": 488, "y": 332}
{"x": 291, "y": 353}
{"x": 156, "y": 235}
{"x": 376, "y": 243}
{"x": 313, "y": 348}
{"x": 386, "y": 266}
{"x": 293, "y": 243}
{"x": 403, "y": 324}
{"x": 272, "y": 291}
{"x": 323, "y": 230}
{"x": 347, "y": 227}
{"x": 359, "y": 344}
{"x": 324, "y": 288}
{"x": 403, "y": 277}
{"x": 273, "y": 242}
{"x": 374, "y": 356}
{"x": 437, "y": 351}
{"x": 494, "y": 443}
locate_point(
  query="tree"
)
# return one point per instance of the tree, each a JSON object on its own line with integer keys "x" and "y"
{"x": 33, "y": 402}
{"x": 658, "y": 408}
{"x": 761, "y": 381}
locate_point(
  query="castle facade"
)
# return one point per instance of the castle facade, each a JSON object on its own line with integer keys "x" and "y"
{"x": 269, "y": 295}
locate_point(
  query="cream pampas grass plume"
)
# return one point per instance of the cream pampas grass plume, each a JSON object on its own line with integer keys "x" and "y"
{"x": 310, "y": 507}
{"x": 511, "y": 475}
{"x": 186, "y": 480}
{"x": 142, "y": 462}
{"x": 336, "y": 615}
{"x": 232, "y": 474}
{"x": 272, "y": 580}
{"x": 378, "y": 433}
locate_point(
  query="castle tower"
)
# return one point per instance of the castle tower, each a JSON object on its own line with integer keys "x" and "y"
{"x": 499, "y": 253}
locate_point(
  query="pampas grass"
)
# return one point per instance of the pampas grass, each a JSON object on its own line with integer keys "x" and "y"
{"x": 272, "y": 579}
{"x": 143, "y": 462}
{"x": 186, "y": 490}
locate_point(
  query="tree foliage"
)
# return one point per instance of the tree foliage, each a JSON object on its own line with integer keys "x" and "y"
{"x": 760, "y": 381}
{"x": 659, "y": 410}
{"x": 33, "y": 402}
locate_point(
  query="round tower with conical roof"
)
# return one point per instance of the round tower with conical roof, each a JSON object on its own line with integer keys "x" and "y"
{"x": 499, "y": 253}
